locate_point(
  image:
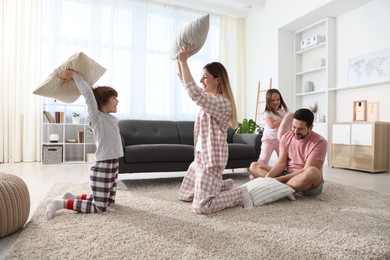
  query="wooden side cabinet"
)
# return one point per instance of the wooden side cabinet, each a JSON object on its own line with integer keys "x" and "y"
{"x": 361, "y": 146}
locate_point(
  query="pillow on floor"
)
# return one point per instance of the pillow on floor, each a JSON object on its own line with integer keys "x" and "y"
{"x": 194, "y": 34}
{"x": 267, "y": 190}
{"x": 67, "y": 91}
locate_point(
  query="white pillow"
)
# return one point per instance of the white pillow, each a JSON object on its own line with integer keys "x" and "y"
{"x": 194, "y": 34}
{"x": 67, "y": 91}
{"x": 267, "y": 190}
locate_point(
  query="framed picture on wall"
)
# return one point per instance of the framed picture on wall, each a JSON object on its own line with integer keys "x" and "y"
{"x": 360, "y": 110}
{"x": 369, "y": 68}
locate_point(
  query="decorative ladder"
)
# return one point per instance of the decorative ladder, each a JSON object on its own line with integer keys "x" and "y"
{"x": 259, "y": 101}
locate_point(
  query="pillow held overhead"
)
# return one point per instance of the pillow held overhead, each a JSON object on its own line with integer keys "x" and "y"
{"x": 67, "y": 91}
{"x": 194, "y": 34}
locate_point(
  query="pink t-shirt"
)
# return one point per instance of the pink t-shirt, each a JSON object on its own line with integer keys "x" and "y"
{"x": 313, "y": 146}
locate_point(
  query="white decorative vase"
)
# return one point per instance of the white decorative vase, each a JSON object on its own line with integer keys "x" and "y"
{"x": 76, "y": 120}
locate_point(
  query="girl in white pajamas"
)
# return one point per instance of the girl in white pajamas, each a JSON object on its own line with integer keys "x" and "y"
{"x": 101, "y": 101}
{"x": 274, "y": 112}
{"x": 203, "y": 184}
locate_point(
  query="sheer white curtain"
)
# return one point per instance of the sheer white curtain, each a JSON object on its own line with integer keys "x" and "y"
{"x": 20, "y": 64}
{"x": 133, "y": 40}
{"x": 232, "y": 53}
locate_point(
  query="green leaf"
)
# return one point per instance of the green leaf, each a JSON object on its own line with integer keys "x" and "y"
{"x": 246, "y": 127}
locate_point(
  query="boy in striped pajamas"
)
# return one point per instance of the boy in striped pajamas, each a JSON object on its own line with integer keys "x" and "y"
{"x": 203, "y": 184}
{"x": 101, "y": 101}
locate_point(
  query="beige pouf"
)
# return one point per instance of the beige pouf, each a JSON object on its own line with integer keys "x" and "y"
{"x": 14, "y": 203}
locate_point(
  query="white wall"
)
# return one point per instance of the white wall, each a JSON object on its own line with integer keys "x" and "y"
{"x": 360, "y": 31}
{"x": 262, "y": 26}
{"x": 361, "y": 28}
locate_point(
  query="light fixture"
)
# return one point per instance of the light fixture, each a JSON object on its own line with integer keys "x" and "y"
{"x": 359, "y": 106}
{"x": 360, "y": 110}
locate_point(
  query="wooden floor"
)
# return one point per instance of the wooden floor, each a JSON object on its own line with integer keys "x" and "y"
{"x": 41, "y": 178}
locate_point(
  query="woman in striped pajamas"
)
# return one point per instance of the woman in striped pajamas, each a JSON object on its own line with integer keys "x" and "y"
{"x": 101, "y": 101}
{"x": 203, "y": 184}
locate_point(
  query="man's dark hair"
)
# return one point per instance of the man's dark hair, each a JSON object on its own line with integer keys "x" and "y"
{"x": 305, "y": 115}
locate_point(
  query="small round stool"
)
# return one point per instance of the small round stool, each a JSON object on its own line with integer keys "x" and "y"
{"x": 14, "y": 204}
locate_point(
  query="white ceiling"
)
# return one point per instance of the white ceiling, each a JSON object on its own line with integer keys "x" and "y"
{"x": 238, "y": 8}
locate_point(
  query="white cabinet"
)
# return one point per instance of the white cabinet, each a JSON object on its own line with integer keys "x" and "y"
{"x": 341, "y": 134}
{"x": 361, "y": 146}
{"x": 314, "y": 70}
{"x": 75, "y": 139}
{"x": 361, "y": 134}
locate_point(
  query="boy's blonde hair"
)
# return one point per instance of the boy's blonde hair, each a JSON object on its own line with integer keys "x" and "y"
{"x": 218, "y": 70}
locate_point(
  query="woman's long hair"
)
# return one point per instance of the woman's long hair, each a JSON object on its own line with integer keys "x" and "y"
{"x": 218, "y": 70}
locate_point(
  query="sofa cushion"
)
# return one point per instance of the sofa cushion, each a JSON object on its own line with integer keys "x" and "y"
{"x": 230, "y": 134}
{"x": 136, "y": 132}
{"x": 186, "y": 132}
{"x": 159, "y": 153}
{"x": 241, "y": 151}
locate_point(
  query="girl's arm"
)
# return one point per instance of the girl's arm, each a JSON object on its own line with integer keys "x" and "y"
{"x": 273, "y": 123}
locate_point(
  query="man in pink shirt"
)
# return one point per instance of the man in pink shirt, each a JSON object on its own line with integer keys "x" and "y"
{"x": 301, "y": 157}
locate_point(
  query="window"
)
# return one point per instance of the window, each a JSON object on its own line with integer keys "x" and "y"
{"x": 133, "y": 40}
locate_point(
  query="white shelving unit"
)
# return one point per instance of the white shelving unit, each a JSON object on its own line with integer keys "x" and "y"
{"x": 75, "y": 139}
{"x": 315, "y": 64}
{"x": 360, "y": 86}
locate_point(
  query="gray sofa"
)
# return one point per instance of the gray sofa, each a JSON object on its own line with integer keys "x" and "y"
{"x": 168, "y": 146}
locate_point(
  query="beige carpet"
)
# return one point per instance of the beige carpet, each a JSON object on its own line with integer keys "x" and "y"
{"x": 148, "y": 222}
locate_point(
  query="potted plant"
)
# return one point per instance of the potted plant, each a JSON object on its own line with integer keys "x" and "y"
{"x": 75, "y": 118}
{"x": 246, "y": 127}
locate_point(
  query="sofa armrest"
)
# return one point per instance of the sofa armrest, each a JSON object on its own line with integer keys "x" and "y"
{"x": 123, "y": 143}
{"x": 249, "y": 139}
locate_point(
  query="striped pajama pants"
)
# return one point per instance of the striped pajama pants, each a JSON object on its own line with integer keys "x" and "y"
{"x": 205, "y": 188}
{"x": 104, "y": 178}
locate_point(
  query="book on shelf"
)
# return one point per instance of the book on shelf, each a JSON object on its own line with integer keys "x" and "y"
{"x": 48, "y": 116}
{"x": 59, "y": 117}
{"x": 62, "y": 117}
{"x": 80, "y": 137}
